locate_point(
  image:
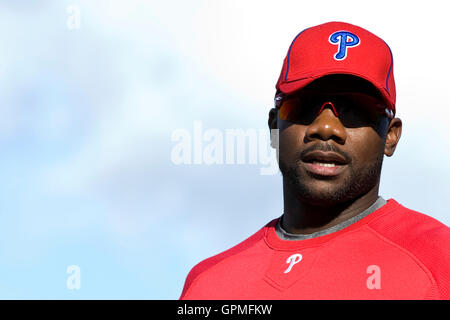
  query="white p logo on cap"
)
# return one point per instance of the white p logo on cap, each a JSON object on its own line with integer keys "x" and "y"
{"x": 344, "y": 39}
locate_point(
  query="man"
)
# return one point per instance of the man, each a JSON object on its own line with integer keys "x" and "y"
{"x": 337, "y": 238}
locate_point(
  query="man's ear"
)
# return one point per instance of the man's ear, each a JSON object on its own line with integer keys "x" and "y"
{"x": 273, "y": 127}
{"x": 272, "y": 122}
{"x": 393, "y": 136}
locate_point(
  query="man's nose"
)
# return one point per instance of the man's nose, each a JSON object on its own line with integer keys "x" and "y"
{"x": 327, "y": 125}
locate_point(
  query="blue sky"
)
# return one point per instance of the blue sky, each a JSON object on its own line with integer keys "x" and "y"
{"x": 88, "y": 116}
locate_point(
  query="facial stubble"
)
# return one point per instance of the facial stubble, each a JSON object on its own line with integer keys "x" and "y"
{"x": 352, "y": 186}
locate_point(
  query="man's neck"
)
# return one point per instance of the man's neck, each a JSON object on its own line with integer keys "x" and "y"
{"x": 301, "y": 217}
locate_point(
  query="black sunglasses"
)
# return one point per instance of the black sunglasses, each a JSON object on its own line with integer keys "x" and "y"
{"x": 352, "y": 108}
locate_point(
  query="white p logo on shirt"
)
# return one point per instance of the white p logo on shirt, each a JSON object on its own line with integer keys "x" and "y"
{"x": 293, "y": 259}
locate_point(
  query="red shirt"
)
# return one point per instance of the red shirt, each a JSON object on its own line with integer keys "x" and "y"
{"x": 392, "y": 253}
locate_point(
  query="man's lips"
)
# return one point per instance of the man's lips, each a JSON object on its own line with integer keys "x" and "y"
{"x": 323, "y": 170}
{"x": 324, "y": 157}
{"x": 324, "y": 163}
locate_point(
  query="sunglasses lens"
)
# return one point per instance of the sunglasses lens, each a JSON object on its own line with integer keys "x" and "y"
{"x": 366, "y": 101}
{"x": 287, "y": 110}
{"x": 298, "y": 109}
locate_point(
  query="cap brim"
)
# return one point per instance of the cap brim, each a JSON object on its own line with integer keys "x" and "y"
{"x": 294, "y": 85}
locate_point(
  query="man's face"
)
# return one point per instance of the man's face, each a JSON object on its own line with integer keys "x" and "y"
{"x": 329, "y": 158}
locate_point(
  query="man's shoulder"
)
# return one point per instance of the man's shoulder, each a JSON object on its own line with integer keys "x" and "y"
{"x": 208, "y": 264}
{"x": 407, "y": 226}
{"x": 425, "y": 238}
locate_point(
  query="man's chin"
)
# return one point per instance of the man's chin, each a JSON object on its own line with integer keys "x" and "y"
{"x": 323, "y": 193}
{"x": 322, "y": 199}
{"x": 330, "y": 191}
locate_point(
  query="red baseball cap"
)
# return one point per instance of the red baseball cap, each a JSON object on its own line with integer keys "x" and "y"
{"x": 339, "y": 48}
